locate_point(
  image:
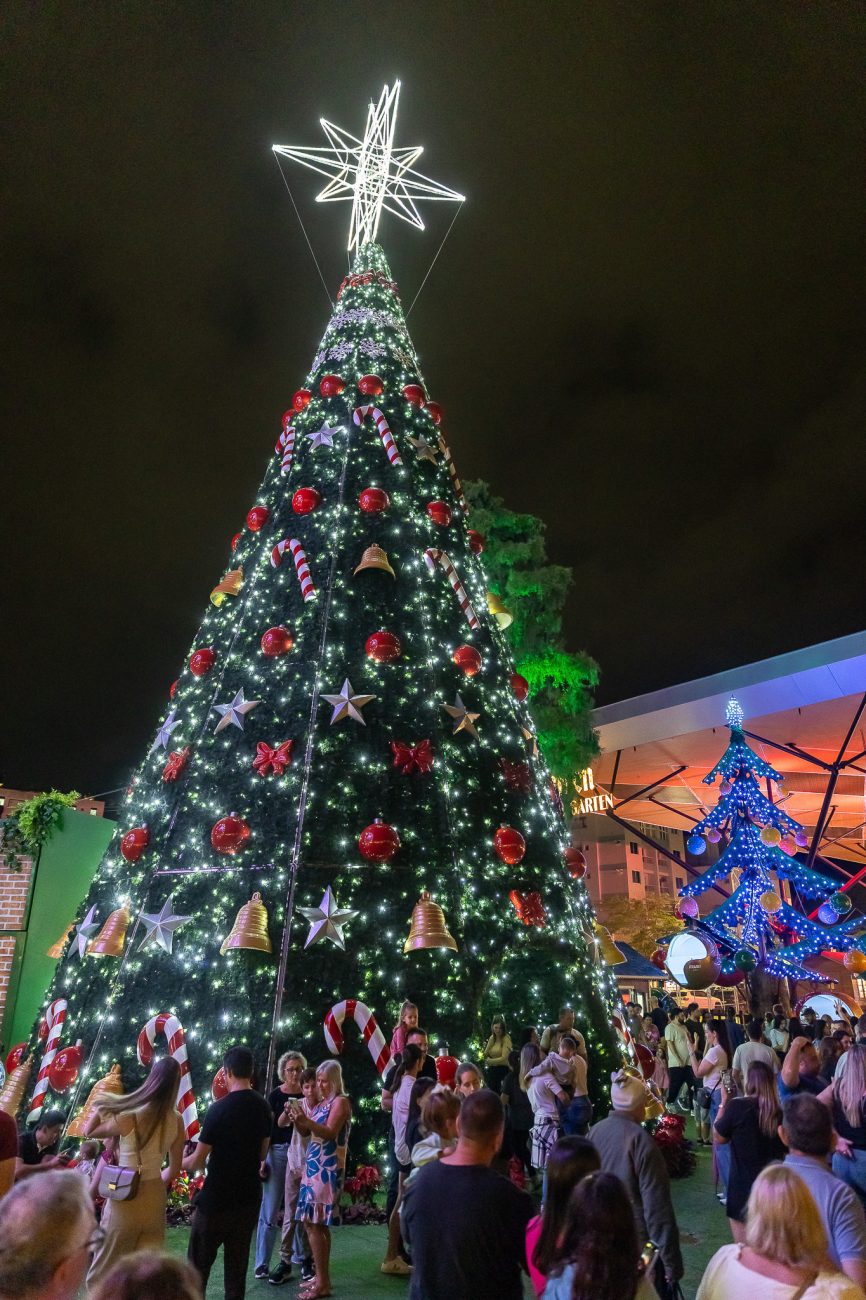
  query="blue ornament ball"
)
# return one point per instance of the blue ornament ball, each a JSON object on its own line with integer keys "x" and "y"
{"x": 840, "y": 903}
{"x": 827, "y": 914}
{"x": 696, "y": 845}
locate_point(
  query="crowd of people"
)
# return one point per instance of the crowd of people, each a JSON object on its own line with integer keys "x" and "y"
{"x": 470, "y": 1159}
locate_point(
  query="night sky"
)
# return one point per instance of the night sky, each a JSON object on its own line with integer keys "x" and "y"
{"x": 645, "y": 326}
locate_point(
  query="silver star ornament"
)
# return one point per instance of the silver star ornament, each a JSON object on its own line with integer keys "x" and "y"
{"x": 163, "y": 736}
{"x": 84, "y": 932}
{"x": 232, "y": 715}
{"x": 327, "y": 920}
{"x": 161, "y": 926}
{"x": 324, "y": 437}
{"x": 347, "y": 704}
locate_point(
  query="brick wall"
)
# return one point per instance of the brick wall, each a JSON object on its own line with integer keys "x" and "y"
{"x": 14, "y": 888}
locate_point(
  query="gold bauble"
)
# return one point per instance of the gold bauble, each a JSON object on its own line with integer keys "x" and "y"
{"x": 771, "y": 835}
{"x": 854, "y": 961}
{"x": 770, "y": 901}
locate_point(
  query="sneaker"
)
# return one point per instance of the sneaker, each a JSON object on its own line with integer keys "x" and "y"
{"x": 281, "y": 1274}
{"x": 398, "y": 1267}
{"x": 308, "y": 1271}
{"x": 261, "y": 1272}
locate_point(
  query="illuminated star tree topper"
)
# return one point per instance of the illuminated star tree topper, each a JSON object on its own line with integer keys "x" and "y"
{"x": 372, "y": 173}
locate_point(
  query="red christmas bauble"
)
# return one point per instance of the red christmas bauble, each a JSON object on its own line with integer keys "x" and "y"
{"x": 509, "y": 844}
{"x": 134, "y": 843}
{"x": 257, "y": 518}
{"x": 727, "y": 979}
{"x": 659, "y": 957}
{"x": 383, "y": 647}
{"x": 331, "y": 386}
{"x": 16, "y": 1056}
{"x": 237, "y": 537}
{"x": 302, "y": 398}
{"x": 201, "y": 661}
{"x": 277, "y": 641}
{"x": 370, "y": 385}
{"x": 434, "y": 410}
{"x": 172, "y": 689}
{"x": 475, "y": 540}
{"x": 414, "y": 394}
{"x": 439, "y": 512}
{"x": 63, "y": 1070}
{"x": 446, "y": 1070}
{"x": 374, "y": 500}
{"x": 645, "y": 1060}
{"x": 229, "y": 834}
{"x": 520, "y": 686}
{"x": 575, "y": 862}
{"x": 219, "y": 1087}
{"x": 378, "y": 842}
{"x": 305, "y": 500}
{"x": 468, "y": 659}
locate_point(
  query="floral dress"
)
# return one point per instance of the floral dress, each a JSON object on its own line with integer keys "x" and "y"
{"x": 321, "y": 1185}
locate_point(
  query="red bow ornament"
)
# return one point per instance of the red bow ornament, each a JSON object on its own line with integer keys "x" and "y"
{"x": 517, "y": 776}
{"x": 529, "y": 907}
{"x": 176, "y": 764}
{"x": 412, "y": 758}
{"x": 268, "y": 762}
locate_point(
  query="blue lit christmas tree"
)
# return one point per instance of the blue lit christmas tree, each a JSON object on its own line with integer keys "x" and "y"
{"x": 755, "y": 925}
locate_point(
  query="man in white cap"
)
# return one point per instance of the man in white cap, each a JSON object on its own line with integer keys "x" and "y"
{"x": 627, "y": 1150}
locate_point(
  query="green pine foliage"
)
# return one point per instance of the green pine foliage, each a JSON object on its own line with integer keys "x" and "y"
{"x": 305, "y": 823}
{"x": 561, "y": 682}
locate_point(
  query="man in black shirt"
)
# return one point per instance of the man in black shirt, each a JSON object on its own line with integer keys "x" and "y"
{"x": 466, "y": 1225}
{"x": 694, "y": 1026}
{"x": 658, "y": 1015}
{"x": 37, "y": 1147}
{"x": 234, "y": 1140}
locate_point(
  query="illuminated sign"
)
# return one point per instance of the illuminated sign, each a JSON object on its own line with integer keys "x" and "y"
{"x": 588, "y": 799}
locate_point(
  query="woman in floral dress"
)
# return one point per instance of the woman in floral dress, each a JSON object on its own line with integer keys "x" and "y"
{"x": 322, "y": 1182}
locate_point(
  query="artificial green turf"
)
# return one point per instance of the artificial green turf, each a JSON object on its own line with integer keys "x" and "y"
{"x": 357, "y": 1252}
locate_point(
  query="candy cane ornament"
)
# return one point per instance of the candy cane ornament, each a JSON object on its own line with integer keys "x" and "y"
{"x": 383, "y": 427}
{"x": 455, "y": 481}
{"x": 366, "y": 1022}
{"x": 54, "y": 1018}
{"x": 432, "y": 557}
{"x": 170, "y": 1026}
{"x": 285, "y": 448}
{"x": 302, "y": 569}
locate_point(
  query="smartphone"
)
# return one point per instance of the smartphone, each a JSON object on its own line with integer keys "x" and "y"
{"x": 648, "y": 1259}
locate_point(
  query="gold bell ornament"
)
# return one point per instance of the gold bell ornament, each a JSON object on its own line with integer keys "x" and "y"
{"x": 110, "y": 1084}
{"x": 56, "y": 949}
{"x": 606, "y": 946}
{"x": 375, "y": 558}
{"x": 428, "y": 928}
{"x": 250, "y": 929}
{"x": 503, "y": 616}
{"x": 13, "y": 1090}
{"x": 230, "y": 585}
{"x": 655, "y": 1107}
{"x": 111, "y": 938}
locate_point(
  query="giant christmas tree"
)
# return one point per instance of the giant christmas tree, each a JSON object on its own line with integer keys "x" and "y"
{"x": 345, "y": 735}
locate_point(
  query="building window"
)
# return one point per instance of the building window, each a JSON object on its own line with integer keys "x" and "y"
{"x": 680, "y": 883}
{"x": 635, "y": 875}
{"x": 632, "y": 848}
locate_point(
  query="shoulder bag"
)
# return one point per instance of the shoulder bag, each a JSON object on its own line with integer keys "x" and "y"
{"x": 120, "y": 1182}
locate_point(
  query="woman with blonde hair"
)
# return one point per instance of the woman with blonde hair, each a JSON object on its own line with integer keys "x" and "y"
{"x": 784, "y": 1255}
{"x": 749, "y": 1125}
{"x": 846, "y": 1098}
{"x": 321, "y": 1185}
{"x": 496, "y": 1053}
{"x": 149, "y": 1130}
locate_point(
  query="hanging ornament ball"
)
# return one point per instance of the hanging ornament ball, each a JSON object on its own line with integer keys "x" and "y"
{"x": 383, "y": 646}
{"x": 509, "y": 844}
{"x": 728, "y": 978}
{"x": 659, "y": 957}
{"x": 134, "y": 843}
{"x": 688, "y": 908}
{"x": 370, "y": 385}
{"x": 331, "y": 386}
{"x": 827, "y": 914}
{"x": 745, "y": 960}
{"x": 257, "y": 518}
{"x": 434, "y": 410}
{"x": 301, "y": 399}
{"x": 770, "y": 901}
{"x": 15, "y": 1057}
{"x": 854, "y": 961}
{"x": 63, "y": 1070}
{"x": 219, "y": 1087}
{"x": 378, "y": 842}
{"x": 277, "y": 641}
{"x": 475, "y": 540}
{"x": 801, "y": 839}
{"x": 575, "y": 863}
{"x": 840, "y": 903}
{"x": 305, "y": 500}
{"x": 714, "y": 835}
{"x": 374, "y": 500}
{"x": 770, "y": 835}
{"x": 725, "y": 788}
{"x": 696, "y": 844}
{"x": 172, "y": 689}
{"x": 701, "y": 972}
{"x": 693, "y": 959}
{"x": 519, "y": 685}
{"x": 467, "y": 659}
{"x": 414, "y": 394}
{"x": 201, "y": 661}
{"x": 237, "y": 537}
{"x": 439, "y": 512}
{"x": 229, "y": 834}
